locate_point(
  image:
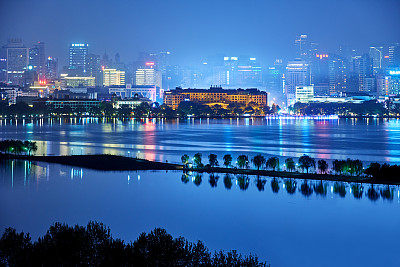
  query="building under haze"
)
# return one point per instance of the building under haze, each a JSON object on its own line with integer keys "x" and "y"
{"x": 14, "y": 61}
{"x": 78, "y": 57}
{"x": 37, "y": 60}
{"x": 297, "y": 74}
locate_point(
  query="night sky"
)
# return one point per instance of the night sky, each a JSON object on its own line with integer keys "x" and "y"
{"x": 192, "y": 30}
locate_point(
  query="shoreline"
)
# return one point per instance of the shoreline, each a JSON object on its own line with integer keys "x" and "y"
{"x": 103, "y": 162}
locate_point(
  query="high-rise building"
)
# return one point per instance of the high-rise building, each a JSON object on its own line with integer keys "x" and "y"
{"x": 394, "y": 55}
{"x": 297, "y": 75}
{"x": 376, "y": 54}
{"x": 302, "y": 46}
{"x": 51, "y": 69}
{"x": 113, "y": 77}
{"x": 93, "y": 68}
{"x": 388, "y": 83}
{"x": 338, "y": 74}
{"x": 148, "y": 75}
{"x": 275, "y": 81}
{"x": 319, "y": 73}
{"x": 15, "y": 60}
{"x": 78, "y": 57}
{"x": 37, "y": 60}
{"x": 362, "y": 66}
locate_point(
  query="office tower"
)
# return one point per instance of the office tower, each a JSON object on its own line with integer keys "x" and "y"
{"x": 148, "y": 75}
{"x": 302, "y": 46}
{"x": 297, "y": 75}
{"x": 51, "y": 69}
{"x": 275, "y": 80}
{"x": 37, "y": 59}
{"x": 319, "y": 73}
{"x": 362, "y": 66}
{"x": 394, "y": 55}
{"x": 338, "y": 74}
{"x": 249, "y": 72}
{"x": 230, "y": 69}
{"x": 78, "y": 57}
{"x": 388, "y": 83}
{"x": 113, "y": 77}
{"x": 93, "y": 68}
{"x": 15, "y": 60}
{"x": 376, "y": 54}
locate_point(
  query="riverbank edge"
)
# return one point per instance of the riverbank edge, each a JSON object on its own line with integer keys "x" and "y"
{"x": 120, "y": 163}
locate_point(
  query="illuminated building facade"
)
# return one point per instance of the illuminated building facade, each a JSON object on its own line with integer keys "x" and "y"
{"x": 73, "y": 81}
{"x": 78, "y": 57}
{"x": 297, "y": 75}
{"x": 113, "y": 77}
{"x": 304, "y": 93}
{"x": 215, "y": 95}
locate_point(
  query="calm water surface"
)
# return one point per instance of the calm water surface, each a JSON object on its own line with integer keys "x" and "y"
{"x": 364, "y": 139}
{"x": 286, "y": 222}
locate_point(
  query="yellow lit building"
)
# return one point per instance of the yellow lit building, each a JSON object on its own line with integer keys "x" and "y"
{"x": 113, "y": 77}
{"x": 215, "y": 95}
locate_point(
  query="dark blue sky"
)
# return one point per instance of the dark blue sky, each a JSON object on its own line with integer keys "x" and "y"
{"x": 194, "y": 29}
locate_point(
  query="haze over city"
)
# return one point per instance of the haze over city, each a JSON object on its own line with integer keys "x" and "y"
{"x": 194, "y": 30}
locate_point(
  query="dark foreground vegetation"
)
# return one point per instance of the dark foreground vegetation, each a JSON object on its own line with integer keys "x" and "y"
{"x": 94, "y": 245}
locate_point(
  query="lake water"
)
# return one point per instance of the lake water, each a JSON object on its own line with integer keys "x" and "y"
{"x": 285, "y": 222}
{"x": 159, "y": 139}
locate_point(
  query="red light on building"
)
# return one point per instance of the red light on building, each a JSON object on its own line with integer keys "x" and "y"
{"x": 42, "y": 82}
{"x": 386, "y": 56}
{"x": 149, "y": 63}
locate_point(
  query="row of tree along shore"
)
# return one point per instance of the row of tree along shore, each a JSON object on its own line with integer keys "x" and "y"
{"x": 193, "y": 109}
{"x": 306, "y": 167}
{"x": 94, "y": 245}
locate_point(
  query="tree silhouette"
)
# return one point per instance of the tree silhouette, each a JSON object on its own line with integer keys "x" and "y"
{"x": 273, "y": 163}
{"x": 185, "y": 160}
{"x": 357, "y": 190}
{"x": 213, "y": 179}
{"x": 197, "y": 160}
{"x": 197, "y": 179}
{"x": 243, "y": 162}
{"x": 258, "y": 161}
{"x": 322, "y": 166}
{"x": 320, "y": 189}
{"x": 339, "y": 188}
{"x": 290, "y": 165}
{"x": 227, "y": 160}
{"x": 290, "y": 186}
{"x": 306, "y": 189}
{"x": 212, "y": 158}
{"x": 306, "y": 162}
{"x": 243, "y": 182}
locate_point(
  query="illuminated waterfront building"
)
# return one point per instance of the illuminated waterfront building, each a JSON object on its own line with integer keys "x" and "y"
{"x": 215, "y": 95}
{"x": 113, "y": 77}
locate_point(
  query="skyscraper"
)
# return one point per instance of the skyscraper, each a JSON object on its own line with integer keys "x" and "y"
{"x": 362, "y": 66}
{"x": 338, "y": 74}
{"x": 51, "y": 69}
{"x": 93, "y": 68}
{"x": 394, "y": 55}
{"x": 297, "y": 75}
{"x": 302, "y": 46}
{"x": 15, "y": 61}
{"x": 37, "y": 59}
{"x": 78, "y": 57}
{"x": 376, "y": 54}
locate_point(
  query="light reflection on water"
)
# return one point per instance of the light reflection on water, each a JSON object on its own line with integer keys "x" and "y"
{"x": 161, "y": 139}
{"x": 266, "y": 216}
